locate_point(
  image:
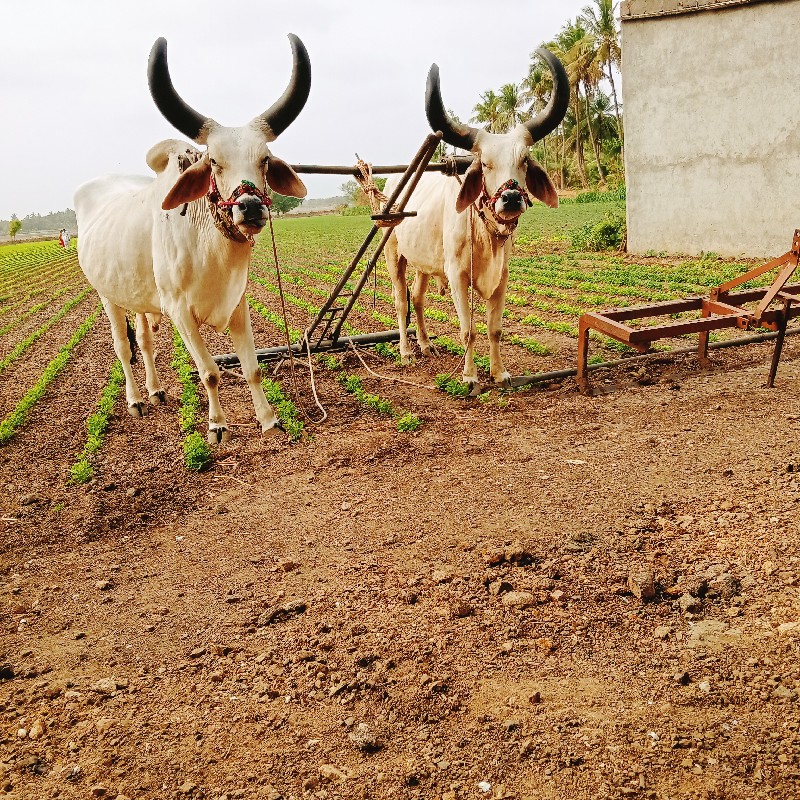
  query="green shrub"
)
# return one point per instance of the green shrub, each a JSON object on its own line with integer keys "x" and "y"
{"x": 594, "y": 196}
{"x": 356, "y": 211}
{"x": 608, "y": 234}
{"x": 388, "y": 351}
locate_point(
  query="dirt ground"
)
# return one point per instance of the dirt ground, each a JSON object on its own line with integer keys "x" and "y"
{"x": 540, "y": 596}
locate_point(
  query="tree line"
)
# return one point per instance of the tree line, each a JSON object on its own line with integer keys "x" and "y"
{"x": 587, "y": 148}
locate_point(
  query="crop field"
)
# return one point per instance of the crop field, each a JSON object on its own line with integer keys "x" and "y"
{"x": 47, "y": 308}
{"x": 527, "y": 594}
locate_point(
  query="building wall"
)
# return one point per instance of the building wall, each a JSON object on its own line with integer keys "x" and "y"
{"x": 712, "y": 128}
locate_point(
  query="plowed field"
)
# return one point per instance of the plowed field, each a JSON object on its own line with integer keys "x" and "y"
{"x": 533, "y": 594}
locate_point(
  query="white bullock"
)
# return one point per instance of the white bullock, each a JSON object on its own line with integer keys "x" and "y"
{"x": 471, "y": 248}
{"x": 180, "y": 243}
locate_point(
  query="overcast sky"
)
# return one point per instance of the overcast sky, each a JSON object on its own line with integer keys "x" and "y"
{"x": 76, "y": 104}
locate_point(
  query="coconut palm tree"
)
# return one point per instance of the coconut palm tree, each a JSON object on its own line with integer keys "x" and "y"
{"x": 600, "y": 21}
{"x": 488, "y": 112}
{"x": 571, "y": 45}
{"x": 511, "y": 107}
{"x": 586, "y": 71}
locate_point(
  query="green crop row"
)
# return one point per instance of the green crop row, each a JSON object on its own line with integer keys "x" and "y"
{"x": 97, "y": 424}
{"x": 196, "y": 452}
{"x": 37, "y": 334}
{"x": 286, "y": 410}
{"x": 14, "y": 420}
{"x": 405, "y": 421}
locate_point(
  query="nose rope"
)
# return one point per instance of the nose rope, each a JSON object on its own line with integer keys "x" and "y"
{"x": 499, "y": 228}
{"x": 221, "y": 209}
{"x": 511, "y": 183}
{"x": 245, "y": 187}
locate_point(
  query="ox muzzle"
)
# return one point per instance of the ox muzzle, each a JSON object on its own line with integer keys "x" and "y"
{"x": 247, "y": 204}
{"x": 510, "y": 200}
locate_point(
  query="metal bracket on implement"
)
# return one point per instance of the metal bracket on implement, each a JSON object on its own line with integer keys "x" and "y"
{"x": 723, "y": 308}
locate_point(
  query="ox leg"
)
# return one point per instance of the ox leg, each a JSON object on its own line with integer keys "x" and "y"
{"x": 209, "y": 374}
{"x": 119, "y": 332}
{"x": 396, "y": 265}
{"x": 494, "y": 324}
{"x": 459, "y": 288}
{"x": 241, "y": 331}
{"x": 144, "y": 337}
{"x": 418, "y": 290}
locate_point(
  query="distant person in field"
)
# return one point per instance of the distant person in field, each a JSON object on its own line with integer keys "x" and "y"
{"x": 61, "y": 237}
{"x": 66, "y": 239}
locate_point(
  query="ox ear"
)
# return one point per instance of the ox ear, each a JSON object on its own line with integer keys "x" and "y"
{"x": 471, "y": 187}
{"x": 283, "y": 179}
{"x": 540, "y": 185}
{"x": 191, "y": 185}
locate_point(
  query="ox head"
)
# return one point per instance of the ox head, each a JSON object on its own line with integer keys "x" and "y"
{"x": 503, "y": 167}
{"x": 237, "y": 164}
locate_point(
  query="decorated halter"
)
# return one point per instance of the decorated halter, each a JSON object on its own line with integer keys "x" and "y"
{"x": 220, "y": 209}
{"x": 245, "y": 187}
{"x": 497, "y": 227}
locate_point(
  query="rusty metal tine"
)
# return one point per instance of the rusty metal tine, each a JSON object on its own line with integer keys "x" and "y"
{"x": 776, "y": 353}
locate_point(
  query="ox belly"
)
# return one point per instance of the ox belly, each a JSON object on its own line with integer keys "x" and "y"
{"x": 420, "y": 238}
{"x": 115, "y": 231}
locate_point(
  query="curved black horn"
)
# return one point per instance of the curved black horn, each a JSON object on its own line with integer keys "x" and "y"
{"x": 169, "y": 103}
{"x": 550, "y": 117}
{"x": 454, "y": 133}
{"x": 280, "y": 115}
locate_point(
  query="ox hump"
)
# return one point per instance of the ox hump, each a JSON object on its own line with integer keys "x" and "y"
{"x": 159, "y": 154}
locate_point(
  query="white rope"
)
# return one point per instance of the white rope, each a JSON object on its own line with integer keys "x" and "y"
{"x": 389, "y": 377}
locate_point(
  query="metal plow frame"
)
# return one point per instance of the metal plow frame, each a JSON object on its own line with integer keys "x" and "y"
{"x": 324, "y": 332}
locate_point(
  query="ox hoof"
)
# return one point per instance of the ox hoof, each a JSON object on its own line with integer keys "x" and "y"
{"x": 406, "y": 360}
{"x": 136, "y": 409}
{"x": 158, "y": 398}
{"x": 504, "y": 380}
{"x": 218, "y": 435}
{"x": 425, "y": 350}
{"x": 275, "y": 430}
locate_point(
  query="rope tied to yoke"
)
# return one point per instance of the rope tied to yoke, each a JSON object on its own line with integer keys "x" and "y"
{"x": 375, "y": 197}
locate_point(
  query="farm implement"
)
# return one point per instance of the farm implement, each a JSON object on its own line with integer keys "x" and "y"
{"x": 722, "y": 308}
{"x": 324, "y": 332}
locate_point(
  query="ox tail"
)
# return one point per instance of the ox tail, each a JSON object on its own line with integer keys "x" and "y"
{"x": 131, "y": 340}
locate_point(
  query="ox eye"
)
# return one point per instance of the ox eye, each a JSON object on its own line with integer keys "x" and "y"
{"x": 213, "y": 163}
{"x": 265, "y": 162}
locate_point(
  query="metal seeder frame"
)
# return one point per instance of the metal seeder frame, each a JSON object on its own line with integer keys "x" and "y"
{"x": 323, "y": 334}
{"x": 723, "y": 308}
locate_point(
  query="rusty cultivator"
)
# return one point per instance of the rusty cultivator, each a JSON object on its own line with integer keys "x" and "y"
{"x": 723, "y": 308}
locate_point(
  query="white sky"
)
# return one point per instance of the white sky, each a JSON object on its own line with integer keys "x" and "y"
{"x": 73, "y": 81}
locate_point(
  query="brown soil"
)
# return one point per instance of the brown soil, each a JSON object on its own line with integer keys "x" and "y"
{"x": 454, "y": 613}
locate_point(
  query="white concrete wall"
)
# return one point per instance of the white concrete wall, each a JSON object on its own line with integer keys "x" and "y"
{"x": 712, "y": 130}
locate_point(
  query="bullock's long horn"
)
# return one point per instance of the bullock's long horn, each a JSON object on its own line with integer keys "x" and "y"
{"x": 552, "y": 114}
{"x": 454, "y": 133}
{"x": 169, "y": 103}
{"x": 280, "y": 115}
